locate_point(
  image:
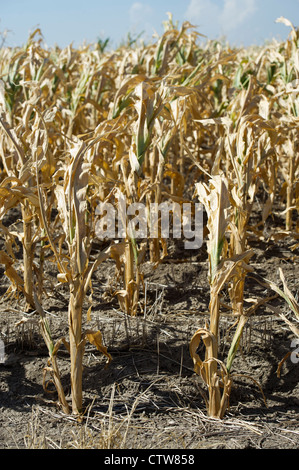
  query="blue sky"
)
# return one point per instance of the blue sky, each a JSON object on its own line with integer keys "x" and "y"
{"x": 242, "y": 22}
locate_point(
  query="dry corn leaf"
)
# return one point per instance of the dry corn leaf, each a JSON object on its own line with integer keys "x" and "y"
{"x": 210, "y": 350}
{"x": 95, "y": 338}
{"x": 228, "y": 267}
{"x": 10, "y": 270}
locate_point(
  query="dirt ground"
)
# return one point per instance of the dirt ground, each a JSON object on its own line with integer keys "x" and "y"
{"x": 149, "y": 397}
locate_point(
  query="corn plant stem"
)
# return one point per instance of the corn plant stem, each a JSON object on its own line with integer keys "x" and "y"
{"x": 174, "y": 163}
{"x": 289, "y": 213}
{"x": 41, "y": 271}
{"x": 214, "y": 316}
{"x": 214, "y": 396}
{"x": 55, "y": 369}
{"x": 58, "y": 385}
{"x": 157, "y": 176}
{"x": 131, "y": 278}
{"x": 289, "y": 210}
{"x": 237, "y": 290}
{"x": 77, "y": 345}
{"x": 28, "y": 254}
{"x": 154, "y": 197}
{"x": 46, "y": 333}
{"x": 212, "y": 356}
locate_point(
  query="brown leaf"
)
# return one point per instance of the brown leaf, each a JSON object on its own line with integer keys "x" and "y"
{"x": 95, "y": 338}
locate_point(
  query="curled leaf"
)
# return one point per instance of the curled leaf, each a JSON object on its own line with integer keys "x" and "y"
{"x": 95, "y": 338}
{"x": 210, "y": 343}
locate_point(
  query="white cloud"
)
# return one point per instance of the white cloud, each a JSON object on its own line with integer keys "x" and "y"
{"x": 220, "y": 17}
{"x": 141, "y": 17}
{"x": 198, "y": 9}
{"x": 235, "y": 13}
{"x": 139, "y": 13}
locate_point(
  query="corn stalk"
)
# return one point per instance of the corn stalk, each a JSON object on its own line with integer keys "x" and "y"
{"x": 71, "y": 200}
{"x": 215, "y": 198}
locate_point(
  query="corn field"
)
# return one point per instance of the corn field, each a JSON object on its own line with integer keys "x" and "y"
{"x": 180, "y": 121}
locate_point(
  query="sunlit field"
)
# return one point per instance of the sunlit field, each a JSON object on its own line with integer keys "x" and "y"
{"x": 182, "y": 121}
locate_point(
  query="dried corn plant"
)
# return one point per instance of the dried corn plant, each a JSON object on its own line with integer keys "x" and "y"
{"x": 222, "y": 268}
{"x": 17, "y": 189}
{"x": 143, "y": 125}
{"x": 75, "y": 195}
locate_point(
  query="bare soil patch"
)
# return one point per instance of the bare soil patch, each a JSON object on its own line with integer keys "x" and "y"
{"x": 149, "y": 397}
